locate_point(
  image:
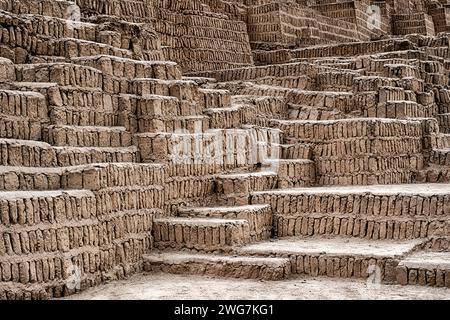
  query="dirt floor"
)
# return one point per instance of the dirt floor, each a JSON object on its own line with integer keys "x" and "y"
{"x": 167, "y": 286}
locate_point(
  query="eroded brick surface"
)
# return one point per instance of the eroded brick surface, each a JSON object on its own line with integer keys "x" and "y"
{"x": 181, "y": 136}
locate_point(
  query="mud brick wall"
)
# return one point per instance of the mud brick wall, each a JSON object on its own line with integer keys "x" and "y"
{"x": 418, "y": 275}
{"x": 23, "y": 115}
{"x": 64, "y": 74}
{"x": 250, "y": 110}
{"x": 287, "y": 24}
{"x": 142, "y": 38}
{"x": 420, "y": 23}
{"x": 231, "y": 9}
{"x": 406, "y": 6}
{"x": 129, "y": 10}
{"x": 346, "y": 49}
{"x": 371, "y": 215}
{"x": 258, "y": 110}
{"x": 264, "y": 25}
{"x": 103, "y": 232}
{"x": 194, "y": 160}
{"x": 395, "y": 102}
{"x": 362, "y": 151}
{"x": 199, "y": 39}
{"x": 244, "y": 147}
{"x": 438, "y": 244}
{"x": 29, "y": 154}
{"x": 440, "y": 17}
{"x": 351, "y": 11}
{"x": 131, "y": 69}
{"x": 41, "y": 7}
{"x": 438, "y": 45}
{"x": 7, "y": 71}
{"x": 23, "y": 35}
{"x": 333, "y": 102}
{"x": 319, "y": 26}
{"x": 386, "y": 15}
{"x": 350, "y": 49}
{"x": 279, "y": 71}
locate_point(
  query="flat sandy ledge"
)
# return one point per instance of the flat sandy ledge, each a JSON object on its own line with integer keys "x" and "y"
{"x": 167, "y": 286}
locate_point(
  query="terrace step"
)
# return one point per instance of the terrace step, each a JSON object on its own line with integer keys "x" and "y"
{"x": 395, "y": 212}
{"x": 161, "y": 107}
{"x": 444, "y": 141}
{"x": 401, "y": 109}
{"x": 214, "y": 99}
{"x": 30, "y": 178}
{"x": 293, "y": 173}
{"x": 92, "y": 176}
{"x": 29, "y": 153}
{"x": 12, "y": 127}
{"x": 401, "y": 70}
{"x": 126, "y": 68}
{"x": 425, "y": 268}
{"x": 83, "y": 98}
{"x": 302, "y": 112}
{"x": 49, "y": 8}
{"x": 26, "y": 153}
{"x": 340, "y": 257}
{"x": 259, "y": 217}
{"x": 219, "y": 265}
{"x": 181, "y": 89}
{"x": 227, "y": 118}
{"x": 440, "y": 157}
{"x": 64, "y": 74}
{"x": 74, "y": 156}
{"x": 336, "y": 80}
{"x": 75, "y": 116}
{"x": 246, "y": 182}
{"x": 262, "y": 107}
{"x": 31, "y": 208}
{"x": 27, "y": 104}
{"x": 373, "y": 83}
{"x": 444, "y": 122}
{"x": 235, "y": 188}
{"x": 99, "y": 176}
{"x": 202, "y": 234}
{"x": 183, "y": 124}
{"x": 73, "y": 48}
{"x": 296, "y": 151}
{"x": 341, "y": 101}
{"x": 444, "y": 107}
{"x": 22, "y": 114}
{"x": 80, "y": 136}
{"x": 301, "y": 82}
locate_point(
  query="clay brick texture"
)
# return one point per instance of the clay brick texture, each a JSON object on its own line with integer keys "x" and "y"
{"x": 252, "y": 139}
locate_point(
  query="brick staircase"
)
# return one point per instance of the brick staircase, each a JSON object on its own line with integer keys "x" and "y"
{"x": 327, "y": 158}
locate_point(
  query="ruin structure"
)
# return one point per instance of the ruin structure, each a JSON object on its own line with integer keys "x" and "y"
{"x": 235, "y": 138}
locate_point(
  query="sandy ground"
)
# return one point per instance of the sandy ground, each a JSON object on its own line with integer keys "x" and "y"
{"x": 167, "y": 286}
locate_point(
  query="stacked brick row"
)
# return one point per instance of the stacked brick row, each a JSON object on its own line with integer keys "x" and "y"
{"x": 372, "y": 215}
{"x": 201, "y": 40}
{"x": 261, "y": 72}
{"x": 360, "y": 151}
{"x": 420, "y": 23}
{"x": 285, "y": 25}
{"x": 21, "y": 37}
{"x": 225, "y": 266}
{"x": 103, "y": 233}
{"x": 418, "y": 275}
{"x": 338, "y": 266}
{"x": 353, "y": 12}
{"x": 23, "y": 115}
{"x": 129, "y": 10}
{"x": 439, "y": 15}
